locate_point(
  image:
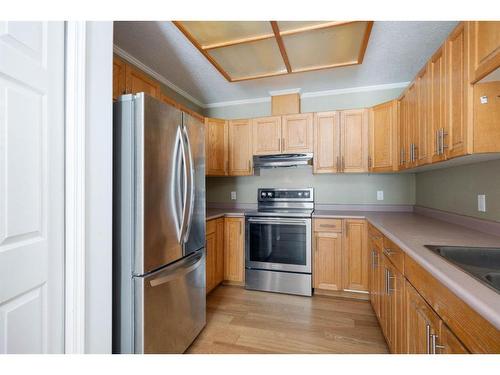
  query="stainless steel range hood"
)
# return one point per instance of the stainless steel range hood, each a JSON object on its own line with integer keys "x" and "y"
{"x": 284, "y": 160}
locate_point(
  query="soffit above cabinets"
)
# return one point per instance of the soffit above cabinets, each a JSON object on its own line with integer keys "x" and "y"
{"x": 243, "y": 50}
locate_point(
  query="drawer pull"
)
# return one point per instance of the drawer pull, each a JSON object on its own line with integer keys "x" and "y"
{"x": 328, "y": 225}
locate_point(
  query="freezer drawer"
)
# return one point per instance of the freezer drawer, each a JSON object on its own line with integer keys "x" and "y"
{"x": 170, "y": 306}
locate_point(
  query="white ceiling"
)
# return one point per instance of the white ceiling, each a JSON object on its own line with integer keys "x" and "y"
{"x": 396, "y": 52}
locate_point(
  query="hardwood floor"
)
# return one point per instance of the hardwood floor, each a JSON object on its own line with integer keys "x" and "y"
{"x": 243, "y": 321}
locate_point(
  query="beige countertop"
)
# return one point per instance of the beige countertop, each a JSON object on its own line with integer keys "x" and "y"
{"x": 215, "y": 213}
{"x": 411, "y": 232}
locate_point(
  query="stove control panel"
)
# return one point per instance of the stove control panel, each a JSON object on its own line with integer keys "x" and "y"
{"x": 286, "y": 194}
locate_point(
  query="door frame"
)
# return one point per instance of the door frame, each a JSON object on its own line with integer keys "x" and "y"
{"x": 75, "y": 184}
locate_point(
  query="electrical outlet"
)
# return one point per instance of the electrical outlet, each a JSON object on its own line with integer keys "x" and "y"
{"x": 233, "y": 195}
{"x": 380, "y": 195}
{"x": 481, "y": 203}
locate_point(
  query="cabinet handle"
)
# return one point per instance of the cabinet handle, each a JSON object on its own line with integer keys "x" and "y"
{"x": 343, "y": 164}
{"x": 328, "y": 226}
{"x": 438, "y": 150}
{"x": 443, "y": 146}
{"x": 369, "y": 161}
{"x": 249, "y": 166}
{"x": 282, "y": 144}
{"x": 338, "y": 164}
{"x": 434, "y": 344}
{"x": 428, "y": 338}
{"x": 386, "y": 281}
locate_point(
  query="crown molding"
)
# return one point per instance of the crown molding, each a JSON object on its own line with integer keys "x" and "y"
{"x": 350, "y": 90}
{"x": 266, "y": 99}
{"x": 131, "y": 59}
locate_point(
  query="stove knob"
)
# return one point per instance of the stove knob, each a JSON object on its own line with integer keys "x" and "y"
{"x": 263, "y": 194}
{"x": 270, "y": 194}
{"x": 300, "y": 193}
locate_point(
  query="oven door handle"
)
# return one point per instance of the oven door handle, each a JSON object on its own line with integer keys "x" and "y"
{"x": 279, "y": 221}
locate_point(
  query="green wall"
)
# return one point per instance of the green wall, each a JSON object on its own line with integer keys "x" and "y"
{"x": 329, "y": 189}
{"x": 455, "y": 189}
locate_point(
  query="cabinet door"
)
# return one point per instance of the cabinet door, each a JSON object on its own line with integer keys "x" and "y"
{"x": 140, "y": 82}
{"x": 437, "y": 108}
{"x": 402, "y": 132}
{"x": 119, "y": 82}
{"x": 210, "y": 251}
{"x": 240, "y": 148}
{"x": 458, "y": 94}
{"x": 423, "y": 114}
{"x": 355, "y": 255}
{"x": 216, "y": 147}
{"x": 219, "y": 258}
{"x": 327, "y": 266}
{"x": 267, "y": 135}
{"x": 421, "y": 322}
{"x": 374, "y": 277}
{"x": 234, "y": 240}
{"x": 484, "y": 51}
{"x": 487, "y": 117}
{"x": 354, "y": 140}
{"x": 382, "y": 137}
{"x": 411, "y": 126}
{"x": 447, "y": 342}
{"x": 297, "y": 133}
{"x": 326, "y": 142}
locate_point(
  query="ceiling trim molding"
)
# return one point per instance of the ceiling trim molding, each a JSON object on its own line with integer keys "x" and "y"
{"x": 131, "y": 59}
{"x": 350, "y": 90}
{"x": 313, "y": 94}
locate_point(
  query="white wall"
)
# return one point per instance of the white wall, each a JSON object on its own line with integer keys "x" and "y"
{"x": 99, "y": 165}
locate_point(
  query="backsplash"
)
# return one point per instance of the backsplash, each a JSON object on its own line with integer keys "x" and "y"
{"x": 328, "y": 188}
{"x": 455, "y": 189}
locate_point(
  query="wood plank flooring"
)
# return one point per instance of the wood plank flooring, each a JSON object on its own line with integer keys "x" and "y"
{"x": 243, "y": 321}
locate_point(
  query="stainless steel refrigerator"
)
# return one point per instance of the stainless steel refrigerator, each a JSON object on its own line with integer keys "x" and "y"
{"x": 159, "y": 227}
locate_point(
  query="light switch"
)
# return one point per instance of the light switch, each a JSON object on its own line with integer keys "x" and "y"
{"x": 233, "y": 195}
{"x": 481, "y": 202}
{"x": 380, "y": 195}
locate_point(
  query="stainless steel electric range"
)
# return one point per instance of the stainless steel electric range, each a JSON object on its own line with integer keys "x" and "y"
{"x": 278, "y": 242}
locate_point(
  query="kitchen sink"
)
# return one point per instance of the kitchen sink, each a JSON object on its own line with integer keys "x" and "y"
{"x": 483, "y": 263}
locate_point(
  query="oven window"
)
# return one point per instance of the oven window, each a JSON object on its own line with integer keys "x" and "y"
{"x": 278, "y": 243}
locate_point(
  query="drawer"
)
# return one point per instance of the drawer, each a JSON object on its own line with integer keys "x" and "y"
{"x": 395, "y": 254}
{"x": 327, "y": 225}
{"x": 211, "y": 226}
{"x": 376, "y": 237}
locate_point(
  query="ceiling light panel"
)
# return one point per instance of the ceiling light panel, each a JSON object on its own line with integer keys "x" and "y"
{"x": 296, "y": 26}
{"x": 209, "y": 34}
{"x": 326, "y": 47}
{"x": 250, "y": 60}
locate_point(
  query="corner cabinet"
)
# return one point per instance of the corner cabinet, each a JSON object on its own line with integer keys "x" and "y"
{"x": 240, "y": 148}
{"x": 382, "y": 132}
{"x": 216, "y": 147}
{"x": 484, "y": 48}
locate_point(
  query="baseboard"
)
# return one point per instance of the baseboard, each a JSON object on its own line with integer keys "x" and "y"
{"x": 363, "y": 296}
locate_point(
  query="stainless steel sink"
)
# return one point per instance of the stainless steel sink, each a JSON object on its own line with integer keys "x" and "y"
{"x": 483, "y": 263}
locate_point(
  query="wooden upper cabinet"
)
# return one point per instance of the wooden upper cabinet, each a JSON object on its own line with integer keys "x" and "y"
{"x": 383, "y": 137}
{"x": 267, "y": 138}
{"x": 216, "y": 147}
{"x": 484, "y": 48}
{"x": 297, "y": 133}
{"x": 411, "y": 126}
{"x": 354, "y": 140}
{"x": 355, "y": 255}
{"x": 437, "y": 105}
{"x": 326, "y": 142}
{"x": 119, "y": 81}
{"x": 423, "y": 117}
{"x": 137, "y": 81}
{"x": 285, "y": 104}
{"x": 240, "y": 148}
{"x": 487, "y": 117}
{"x": 327, "y": 261}
{"x": 402, "y": 131}
{"x": 458, "y": 94}
{"x": 234, "y": 242}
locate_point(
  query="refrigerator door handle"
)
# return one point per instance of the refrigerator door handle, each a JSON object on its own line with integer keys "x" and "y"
{"x": 188, "y": 162}
{"x": 187, "y": 265}
{"x": 178, "y": 194}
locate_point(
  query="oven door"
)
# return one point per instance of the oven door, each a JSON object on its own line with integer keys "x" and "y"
{"x": 279, "y": 244}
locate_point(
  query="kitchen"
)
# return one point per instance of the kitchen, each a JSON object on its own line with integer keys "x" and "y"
{"x": 208, "y": 182}
{"x": 337, "y": 196}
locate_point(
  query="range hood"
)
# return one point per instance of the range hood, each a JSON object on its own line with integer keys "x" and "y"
{"x": 283, "y": 160}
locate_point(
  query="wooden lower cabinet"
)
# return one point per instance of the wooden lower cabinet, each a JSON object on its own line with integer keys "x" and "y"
{"x": 214, "y": 253}
{"x": 355, "y": 255}
{"x": 426, "y": 333}
{"x": 234, "y": 250}
{"x": 375, "y": 278}
{"x": 327, "y": 267}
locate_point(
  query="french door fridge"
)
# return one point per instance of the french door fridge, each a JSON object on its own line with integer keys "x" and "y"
{"x": 159, "y": 227}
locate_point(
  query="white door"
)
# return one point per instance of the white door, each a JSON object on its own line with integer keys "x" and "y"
{"x": 31, "y": 187}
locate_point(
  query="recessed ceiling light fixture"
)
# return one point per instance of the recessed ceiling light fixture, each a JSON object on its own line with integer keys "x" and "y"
{"x": 243, "y": 50}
